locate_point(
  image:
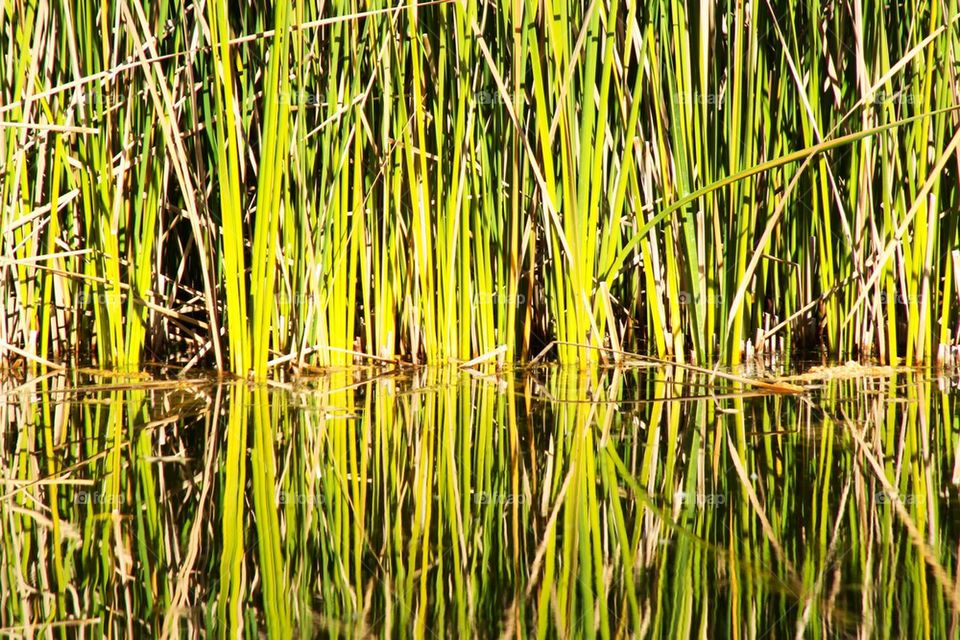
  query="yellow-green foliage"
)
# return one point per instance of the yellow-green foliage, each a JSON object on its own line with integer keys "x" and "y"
{"x": 246, "y": 185}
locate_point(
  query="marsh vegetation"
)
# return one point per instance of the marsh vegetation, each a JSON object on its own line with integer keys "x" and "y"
{"x": 260, "y": 186}
{"x": 459, "y": 318}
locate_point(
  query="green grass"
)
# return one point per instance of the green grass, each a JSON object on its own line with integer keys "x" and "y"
{"x": 322, "y": 183}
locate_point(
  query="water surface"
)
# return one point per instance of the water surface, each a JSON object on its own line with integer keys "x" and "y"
{"x": 548, "y": 503}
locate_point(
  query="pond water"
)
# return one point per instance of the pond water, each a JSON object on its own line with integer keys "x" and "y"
{"x": 550, "y": 503}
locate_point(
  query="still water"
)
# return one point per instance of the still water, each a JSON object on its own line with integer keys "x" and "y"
{"x": 549, "y": 503}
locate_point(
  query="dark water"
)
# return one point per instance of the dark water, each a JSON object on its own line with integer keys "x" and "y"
{"x": 553, "y": 503}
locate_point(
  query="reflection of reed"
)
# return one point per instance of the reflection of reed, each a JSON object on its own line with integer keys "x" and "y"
{"x": 599, "y": 502}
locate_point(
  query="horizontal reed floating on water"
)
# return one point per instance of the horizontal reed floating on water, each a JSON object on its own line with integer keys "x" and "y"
{"x": 321, "y": 183}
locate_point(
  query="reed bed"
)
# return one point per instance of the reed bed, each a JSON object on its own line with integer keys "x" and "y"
{"x": 646, "y": 503}
{"x": 319, "y": 183}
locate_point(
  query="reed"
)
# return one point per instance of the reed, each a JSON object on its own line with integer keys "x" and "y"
{"x": 428, "y": 182}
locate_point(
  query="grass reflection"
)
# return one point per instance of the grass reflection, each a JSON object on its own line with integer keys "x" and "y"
{"x": 599, "y": 503}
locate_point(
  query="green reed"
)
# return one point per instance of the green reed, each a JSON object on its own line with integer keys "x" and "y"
{"x": 317, "y": 183}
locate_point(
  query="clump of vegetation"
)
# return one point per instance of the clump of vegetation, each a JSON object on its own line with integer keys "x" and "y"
{"x": 306, "y": 182}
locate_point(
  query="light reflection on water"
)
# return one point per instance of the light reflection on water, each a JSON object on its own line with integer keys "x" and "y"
{"x": 644, "y": 502}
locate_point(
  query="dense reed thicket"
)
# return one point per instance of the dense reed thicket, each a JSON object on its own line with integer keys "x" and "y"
{"x": 255, "y": 185}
